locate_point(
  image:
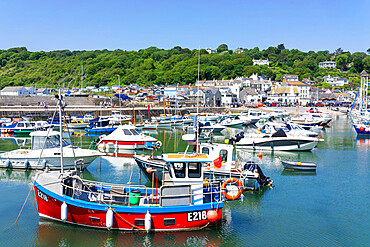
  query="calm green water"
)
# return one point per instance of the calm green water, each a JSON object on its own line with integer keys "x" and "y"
{"x": 326, "y": 208}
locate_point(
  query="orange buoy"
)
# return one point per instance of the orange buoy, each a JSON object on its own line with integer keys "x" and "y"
{"x": 212, "y": 215}
{"x": 260, "y": 154}
{"x": 240, "y": 190}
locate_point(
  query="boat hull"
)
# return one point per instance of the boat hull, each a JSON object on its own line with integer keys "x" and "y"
{"x": 52, "y": 163}
{"x": 278, "y": 144}
{"x": 128, "y": 218}
{"x": 115, "y": 145}
{"x": 363, "y": 132}
{"x": 299, "y": 165}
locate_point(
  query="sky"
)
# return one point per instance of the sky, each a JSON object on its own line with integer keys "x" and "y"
{"x": 306, "y": 25}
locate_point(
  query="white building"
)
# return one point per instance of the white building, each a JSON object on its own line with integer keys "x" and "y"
{"x": 227, "y": 97}
{"x": 303, "y": 88}
{"x": 14, "y": 91}
{"x": 170, "y": 92}
{"x": 287, "y": 77}
{"x": 43, "y": 91}
{"x": 235, "y": 85}
{"x": 327, "y": 64}
{"x": 261, "y": 62}
{"x": 210, "y": 51}
{"x": 260, "y": 83}
{"x": 238, "y": 51}
{"x": 105, "y": 88}
{"x": 284, "y": 94}
{"x": 89, "y": 88}
{"x": 31, "y": 90}
{"x": 115, "y": 87}
{"x": 335, "y": 80}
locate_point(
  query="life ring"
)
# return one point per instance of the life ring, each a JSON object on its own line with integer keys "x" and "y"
{"x": 159, "y": 144}
{"x": 240, "y": 190}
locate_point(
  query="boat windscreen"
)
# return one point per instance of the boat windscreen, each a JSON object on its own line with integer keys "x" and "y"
{"x": 134, "y": 132}
{"x": 51, "y": 142}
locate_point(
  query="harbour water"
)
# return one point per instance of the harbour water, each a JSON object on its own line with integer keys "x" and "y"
{"x": 328, "y": 207}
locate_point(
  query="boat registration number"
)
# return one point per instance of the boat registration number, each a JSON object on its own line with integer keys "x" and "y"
{"x": 197, "y": 215}
{"x": 42, "y": 196}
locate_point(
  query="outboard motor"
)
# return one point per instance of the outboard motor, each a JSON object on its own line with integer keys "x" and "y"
{"x": 236, "y": 138}
{"x": 262, "y": 179}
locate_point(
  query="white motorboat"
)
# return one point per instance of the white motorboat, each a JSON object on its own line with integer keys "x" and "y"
{"x": 45, "y": 153}
{"x": 291, "y": 128}
{"x": 278, "y": 141}
{"x": 125, "y": 137}
{"x": 212, "y": 127}
{"x": 208, "y": 117}
{"x": 149, "y": 126}
{"x": 232, "y": 122}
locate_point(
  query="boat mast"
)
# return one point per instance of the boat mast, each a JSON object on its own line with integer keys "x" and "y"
{"x": 119, "y": 98}
{"x": 82, "y": 76}
{"x": 197, "y": 127}
{"x": 60, "y": 131}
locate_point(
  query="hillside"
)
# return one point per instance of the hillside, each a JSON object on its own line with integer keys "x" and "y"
{"x": 178, "y": 65}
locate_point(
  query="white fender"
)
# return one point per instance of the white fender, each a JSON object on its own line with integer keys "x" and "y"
{"x": 43, "y": 164}
{"x": 148, "y": 221}
{"x": 26, "y": 164}
{"x": 109, "y": 219}
{"x": 7, "y": 163}
{"x": 63, "y": 212}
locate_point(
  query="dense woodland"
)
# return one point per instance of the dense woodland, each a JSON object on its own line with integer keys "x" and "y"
{"x": 177, "y": 65}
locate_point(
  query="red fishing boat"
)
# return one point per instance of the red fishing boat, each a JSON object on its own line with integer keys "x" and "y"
{"x": 183, "y": 202}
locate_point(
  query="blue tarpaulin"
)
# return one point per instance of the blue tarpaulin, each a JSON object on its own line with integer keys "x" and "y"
{"x": 122, "y": 96}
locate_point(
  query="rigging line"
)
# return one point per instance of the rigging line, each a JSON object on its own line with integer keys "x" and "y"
{"x": 29, "y": 192}
{"x": 43, "y": 147}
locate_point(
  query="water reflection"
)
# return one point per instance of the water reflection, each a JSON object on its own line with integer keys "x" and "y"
{"x": 58, "y": 234}
{"x": 363, "y": 143}
{"x": 286, "y": 172}
{"x": 16, "y": 175}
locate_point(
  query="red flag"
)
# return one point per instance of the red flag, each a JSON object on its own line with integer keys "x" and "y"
{"x": 218, "y": 162}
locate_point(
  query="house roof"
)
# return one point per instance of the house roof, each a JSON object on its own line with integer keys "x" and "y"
{"x": 364, "y": 73}
{"x": 11, "y": 89}
{"x": 284, "y": 90}
{"x": 297, "y": 83}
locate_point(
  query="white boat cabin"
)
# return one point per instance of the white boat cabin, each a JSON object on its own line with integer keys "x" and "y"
{"x": 46, "y": 139}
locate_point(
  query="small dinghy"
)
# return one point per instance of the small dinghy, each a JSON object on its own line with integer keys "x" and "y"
{"x": 298, "y": 165}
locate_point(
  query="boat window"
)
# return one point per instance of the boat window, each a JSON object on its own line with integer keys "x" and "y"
{"x": 127, "y": 132}
{"x": 205, "y": 150}
{"x": 179, "y": 169}
{"x": 20, "y": 125}
{"x": 194, "y": 170}
{"x": 223, "y": 154}
{"x": 28, "y": 125}
{"x": 134, "y": 132}
{"x": 51, "y": 142}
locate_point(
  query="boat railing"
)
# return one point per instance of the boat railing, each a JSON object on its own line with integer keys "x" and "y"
{"x": 139, "y": 195}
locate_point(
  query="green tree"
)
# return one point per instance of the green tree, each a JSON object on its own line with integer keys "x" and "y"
{"x": 222, "y": 48}
{"x": 341, "y": 61}
{"x": 358, "y": 64}
{"x": 367, "y": 63}
{"x": 338, "y": 51}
